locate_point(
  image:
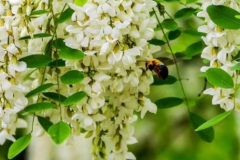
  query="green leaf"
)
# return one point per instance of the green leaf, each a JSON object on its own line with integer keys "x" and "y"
{"x": 194, "y": 33}
{"x": 55, "y": 96}
{"x": 59, "y": 132}
{"x": 72, "y": 77}
{"x": 168, "y": 102}
{"x": 219, "y": 77}
{"x": 185, "y": 13}
{"x": 18, "y": 146}
{"x": 236, "y": 67}
{"x": 174, "y": 34}
{"x": 65, "y": 15}
{"x": 59, "y": 43}
{"x": 75, "y": 98}
{"x": 71, "y": 54}
{"x": 169, "y": 80}
{"x": 48, "y": 49}
{"x": 224, "y": 16}
{"x": 170, "y": 24}
{"x": 80, "y": 2}
{"x": 45, "y": 123}
{"x": 57, "y": 63}
{"x": 36, "y": 60}
{"x": 38, "y": 13}
{"x": 206, "y": 134}
{"x": 194, "y": 49}
{"x": 39, "y": 35}
{"x": 37, "y": 107}
{"x": 39, "y": 89}
{"x": 156, "y": 42}
{"x": 214, "y": 120}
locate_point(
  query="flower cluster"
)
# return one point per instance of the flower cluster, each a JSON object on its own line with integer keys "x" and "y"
{"x": 221, "y": 48}
{"x": 113, "y": 35}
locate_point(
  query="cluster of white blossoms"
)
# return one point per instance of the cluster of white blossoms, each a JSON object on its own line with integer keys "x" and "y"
{"x": 221, "y": 47}
{"x": 113, "y": 36}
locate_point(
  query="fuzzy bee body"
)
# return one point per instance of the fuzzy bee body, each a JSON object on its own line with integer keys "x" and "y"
{"x": 158, "y": 67}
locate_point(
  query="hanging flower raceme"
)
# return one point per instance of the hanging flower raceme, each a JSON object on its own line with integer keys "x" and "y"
{"x": 221, "y": 48}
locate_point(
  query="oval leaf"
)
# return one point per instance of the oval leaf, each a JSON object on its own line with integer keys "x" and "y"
{"x": 214, "y": 120}
{"x": 174, "y": 34}
{"x": 36, "y": 60}
{"x": 57, "y": 63}
{"x": 219, "y": 77}
{"x": 39, "y": 35}
{"x": 45, "y": 123}
{"x": 185, "y": 13}
{"x": 65, "y": 15}
{"x": 39, "y": 89}
{"x": 71, "y": 54}
{"x": 236, "y": 67}
{"x": 59, "y": 132}
{"x": 55, "y": 96}
{"x": 75, "y": 98}
{"x": 206, "y": 134}
{"x": 37, "y": 107}
{"x": 194, "y": 49}
{"x": 170, "y": 24}
{"x": 72, "y": 77}
{"x": 169, "y": 80}
{"x": 59, "y": 43}
{"x": 18, "y": 146}
{"x": 156, "y": 42}
{"x": 168, "y": 102}
{"x": 224, "y": 16}
{"x": 80, "y": 2}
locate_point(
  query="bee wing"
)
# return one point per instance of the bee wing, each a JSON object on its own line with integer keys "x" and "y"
{"x": 166, "y": 60}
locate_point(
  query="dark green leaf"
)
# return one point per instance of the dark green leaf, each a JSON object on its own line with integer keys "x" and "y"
{"x": 36, "y": 60}
{"x": 168, "y": 102}
{"x": 59, "y": 132}
{"x": 174, "y": 34}
{"x": 194, "y": 49}
{"x": 38, "y": 13}
{"x": 194, "y": 33}
{"x": 185, "y": 13}
{"x": 57, "y": 63}
{"x": 219, "y": 77}
{"x": 65, "y": 15}
{"x": 206, "y": 134}
{"x": 71, "y": 54}
{"x": 214, "y": 120}
{"x": 170, "y": 24}
{"x": 37, "y": 107}
{"x": 156, "y": 42}
{"x": 18, "y": 146}
{"x": 55, "y": 96}
{"x": 168, "y": 81}
{"x": 75, "y": 98}
{"x": 45, "y": 123}
{"x": 224, "y": 16}
{"x": 59, "y": 43}
{"x": 39, "y": 89}
{"x": 48, "y": 49}
{"x": 39, "y": 35}
{"x": 72, "y": 77}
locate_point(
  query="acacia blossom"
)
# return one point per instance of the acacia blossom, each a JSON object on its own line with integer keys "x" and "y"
{"x": 221, "y": 48}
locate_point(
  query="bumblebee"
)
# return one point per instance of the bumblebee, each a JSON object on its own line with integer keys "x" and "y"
{"x": 158, "y": 67}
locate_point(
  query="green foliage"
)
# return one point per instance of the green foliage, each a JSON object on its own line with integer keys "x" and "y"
{"x": 169, "y": 80}
{"x": 170, "y": 24}
{"x": 224, "y": 16}
{"x": 156, "y": 42}
{"x": 45, "y": 123}
{"x": 59, "y": 43}
{"x": 75, "y": 98}
{"x": 174, "y": 34}
{"x": 59, "y": 132}
{"x": 57, "y": 63}
{"x": 36, "y": 60}
{"x": 194, "y": 49}
{"x": 37, "y": 13}
{"x": 80, "y": 2}
{"x": 39, "y": 89}
{"x": 39, "y": 35}
{"x": 185, "y": 13}
{"x": 66, "y": 15}
{"x": 236, "y": 67}
{"x": 18, "y": 146}
{"x": 55, "y": 96}
{"x": 37, "y": 107}
{"x": 219, "y": 77}
{"x": 72, "y": 77}
{"x": 206, "y": 134}
{"x": 168, "y": 102}
{"x": 214, "y": 120}
{"x": 70, "y": 54}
